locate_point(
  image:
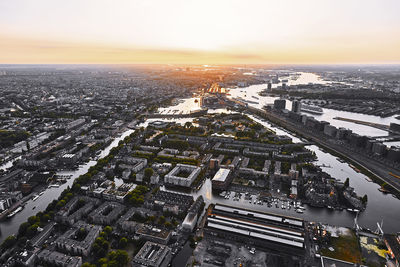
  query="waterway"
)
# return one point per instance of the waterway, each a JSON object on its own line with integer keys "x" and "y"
{"x": 251, "y": 95}
{"x": 380, "y": 206}
{"x": 10, "y": 226}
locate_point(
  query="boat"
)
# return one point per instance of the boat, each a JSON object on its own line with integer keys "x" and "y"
{"x": 354, "y": 168}
{"x": 35, "y": 197}
{"x": 41, "y": 193}
{"x": 299, "y": 211}
{"x": 383, "y": 190}
{"x": 14, "y": 212}
{"x": 34, "y": 207}
{"x": 340, "y": 160}
{"x": 54, "y": 185}
{"x": 368, "y": 179}
{"x": 312, "y": 109}
{"x": 223, "y": 194}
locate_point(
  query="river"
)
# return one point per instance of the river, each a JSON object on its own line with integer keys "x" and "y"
{"x": 380, "y": 206}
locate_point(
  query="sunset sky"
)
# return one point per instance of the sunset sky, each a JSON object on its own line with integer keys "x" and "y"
{"x": 199, "y": 31}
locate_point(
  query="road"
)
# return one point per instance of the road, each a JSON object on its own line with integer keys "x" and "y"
{"x": 375, "y": 167}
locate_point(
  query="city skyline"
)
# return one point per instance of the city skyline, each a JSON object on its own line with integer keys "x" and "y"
{"x": 191, "y": 32}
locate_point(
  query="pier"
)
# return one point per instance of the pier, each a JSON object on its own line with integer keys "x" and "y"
{"x": 366, "y": 123}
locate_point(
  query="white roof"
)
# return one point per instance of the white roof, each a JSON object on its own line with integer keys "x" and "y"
{"x": 221, "y": 175}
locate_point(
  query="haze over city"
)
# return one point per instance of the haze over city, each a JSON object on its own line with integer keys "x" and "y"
{"x": 199, "y": 32}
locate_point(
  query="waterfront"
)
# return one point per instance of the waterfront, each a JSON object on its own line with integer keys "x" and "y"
{"x": 377, "y": 208}
{"x": 251, "y": 94}
{"x": 10, "y": 226}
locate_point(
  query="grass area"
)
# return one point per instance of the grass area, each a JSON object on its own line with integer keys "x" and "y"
{"x": 345, "y": 248}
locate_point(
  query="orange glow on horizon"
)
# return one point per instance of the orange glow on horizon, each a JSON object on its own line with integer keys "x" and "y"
{"x": 32, "y": 51}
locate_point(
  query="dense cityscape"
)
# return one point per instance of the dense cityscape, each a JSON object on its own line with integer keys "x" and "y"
{"x": 170, "y": 133}
{"x": 199, "y": 165}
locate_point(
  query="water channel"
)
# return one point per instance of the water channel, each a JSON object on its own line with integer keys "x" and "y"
{"x": 380, "y": 206}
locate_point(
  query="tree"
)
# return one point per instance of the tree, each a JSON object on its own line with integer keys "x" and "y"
{"x": 148, "y": 172}
{"x": 87, "y": 264}
{"x": 123, "y": 242}
{"x": 119, "y": 256}
{"x": 31, "y": 231}
{"x": 108, "y": 229}
{"x": 347, "y": 182}
{"x": 161, "y": 220}
{"x": 364, "y": 199}
{"x": 22, "y": 228}
{"x": 9, "y": 242}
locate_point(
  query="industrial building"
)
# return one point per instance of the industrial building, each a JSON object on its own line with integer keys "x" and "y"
{"x": 276, "y": 232}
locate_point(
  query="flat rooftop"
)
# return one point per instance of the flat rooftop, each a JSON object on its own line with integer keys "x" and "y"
{"x": 221, "y": 175}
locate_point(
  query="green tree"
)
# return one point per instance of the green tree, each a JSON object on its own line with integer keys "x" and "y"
{"x": 87, "y": 264}
{"x": 9, "y": 242}
{"x": 22, "y": 228}
{"x": 108, "y": 229}
{"x": 120, "y": 257}
{"x": 347, "y": 182}
{"x": 161, "y": 220}
{"x": 148, "y": 172}
{"x": 364, "y": 199}
{"x": 123, "y": 242}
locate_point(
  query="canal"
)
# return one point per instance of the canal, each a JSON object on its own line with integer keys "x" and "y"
{"x": 380, "y": 206}
{"x": 10, "y": 226}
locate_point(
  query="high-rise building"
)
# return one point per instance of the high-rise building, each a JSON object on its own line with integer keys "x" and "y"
{"x": 296, "y": 106}
{"x": 280, "y": 104}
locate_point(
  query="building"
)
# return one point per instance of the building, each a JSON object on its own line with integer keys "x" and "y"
{"x": 75, "y": 209}
{"x": 280, "y": 104}
{"x": 82, "y": 245}
{"x": 296, "y": 106}
{"x": 107, "y": 213}
{"x": 170, "y": 201}
{"x": 395, "y": 127}
{"x": 394, "y": 154}
{"x": 27, "y": 258}
{"x": 277, "y": 232}
{"x": 330, "y": 130}
{"x": 393, "y": 244}
{"x": 150, "y": 233}
{"x": 182, "y": 175}
{"x": 222, "y": 179}
{"x": 55, "y": 258}
{"x": 152, "y": 255}
{"x": 125, "y": 223}
{"x": 379, "y": 148}
{"x": 190, "y": 221}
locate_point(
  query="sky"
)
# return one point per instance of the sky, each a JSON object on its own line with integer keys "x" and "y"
{"x": 200, "y": 31}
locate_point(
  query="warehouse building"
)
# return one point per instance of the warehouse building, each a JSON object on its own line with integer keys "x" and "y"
{"x": 273, "y": 231}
